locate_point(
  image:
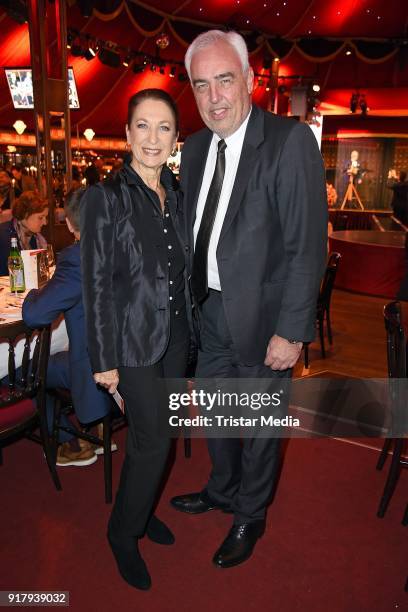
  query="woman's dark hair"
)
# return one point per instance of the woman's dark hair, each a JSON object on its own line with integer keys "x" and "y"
{"x": 29, "y": 203}
{"x": 72, "y": 206}
{"x": 152, "y": 94}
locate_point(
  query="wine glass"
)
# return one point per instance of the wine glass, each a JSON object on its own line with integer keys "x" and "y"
{"x": 50, "y": 256}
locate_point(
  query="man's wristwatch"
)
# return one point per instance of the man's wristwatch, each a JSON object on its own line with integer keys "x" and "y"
{"x": 294, "y": 341}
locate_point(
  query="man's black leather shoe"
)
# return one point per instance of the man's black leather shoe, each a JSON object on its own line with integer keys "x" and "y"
{"x": 195, "y": 503}
{"x": 239, "y": 544}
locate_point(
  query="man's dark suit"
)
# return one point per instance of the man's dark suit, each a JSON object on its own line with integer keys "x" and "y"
{"x": 70, "y": 369}
{"x": 271, "y": 255}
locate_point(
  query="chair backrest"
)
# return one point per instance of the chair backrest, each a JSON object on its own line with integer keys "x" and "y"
{"x": 327, "y": 285}
{"x": 31, "y": 381}
{"x": 396, "y": 341}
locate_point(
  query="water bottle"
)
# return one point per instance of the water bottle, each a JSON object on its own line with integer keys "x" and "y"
{"x": 16, "y": 269}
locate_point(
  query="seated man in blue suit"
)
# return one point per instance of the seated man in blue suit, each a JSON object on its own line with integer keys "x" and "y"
{"x": 69, "y": 369}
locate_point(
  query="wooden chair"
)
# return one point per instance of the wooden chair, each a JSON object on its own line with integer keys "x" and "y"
{"x": 22, "y": 398}
{"x": 397, "y": 369}
{"x": 63, "y": 402}
{"x": 323, "y": 304}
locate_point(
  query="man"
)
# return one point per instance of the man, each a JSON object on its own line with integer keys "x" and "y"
{"x": 399, "y": 186}
{"x": 69, "y": 369}
{"x": 256, "y": 267}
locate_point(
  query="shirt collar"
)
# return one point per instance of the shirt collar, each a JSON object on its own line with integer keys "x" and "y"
{"x": 167, "y": 178}
{"x": 235, "y": 140}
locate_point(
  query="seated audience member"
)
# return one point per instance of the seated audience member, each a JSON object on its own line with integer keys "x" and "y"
{"x": 399, "y": 203}
{"x": 69, "y": 369}
{"x": 30, "y": 212}
{"x": 5, "y": 185}
{"x": 23, "y": 181}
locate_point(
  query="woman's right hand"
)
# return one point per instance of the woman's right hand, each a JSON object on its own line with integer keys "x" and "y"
{"x": 109, "y": 379}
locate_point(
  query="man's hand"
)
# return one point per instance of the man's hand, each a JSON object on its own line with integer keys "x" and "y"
{"x": 282, "y": 354}
{"x": 109, "y": 379}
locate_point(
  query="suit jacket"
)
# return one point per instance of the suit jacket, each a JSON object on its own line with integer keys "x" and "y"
{"x": 125, "y": 270}
{"x": 273, "y": 244}
{"x": 63, "y": 294}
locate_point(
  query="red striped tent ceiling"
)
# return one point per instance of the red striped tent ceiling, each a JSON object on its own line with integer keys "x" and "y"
{"x": 292, "y": 29}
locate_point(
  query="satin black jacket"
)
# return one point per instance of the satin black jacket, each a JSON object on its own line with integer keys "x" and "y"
{"x": 125, "y": 269}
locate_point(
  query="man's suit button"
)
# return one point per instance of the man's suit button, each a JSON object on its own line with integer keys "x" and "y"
{"x": 187, "y": 248}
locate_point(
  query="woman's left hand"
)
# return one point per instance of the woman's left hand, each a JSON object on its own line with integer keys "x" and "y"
{"x": 108, "y": 379}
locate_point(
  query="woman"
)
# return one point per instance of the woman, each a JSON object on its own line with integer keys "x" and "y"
{"x": 135, "y": 295}
{"x": 30, "y": 212}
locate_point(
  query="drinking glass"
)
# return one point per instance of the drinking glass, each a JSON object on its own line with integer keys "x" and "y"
{"x": 50, "y": 256}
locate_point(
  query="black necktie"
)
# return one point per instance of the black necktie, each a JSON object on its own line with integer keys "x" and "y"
{"x": 199, "y": 278}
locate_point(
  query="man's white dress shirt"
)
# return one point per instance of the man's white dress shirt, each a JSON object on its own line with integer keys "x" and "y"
{"x": 232, "y": 155}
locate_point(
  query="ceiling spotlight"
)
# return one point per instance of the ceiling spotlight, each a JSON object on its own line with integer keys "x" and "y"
{"x": 89, "y": 54}
{"x": 348, "y": 52}
{"x": 77, "y": 50}
{"x": 268, "y": 86}
{"x": 109, "y": 57}
{"x": 152, "y": 67}
{"x": 276, "y": 59}
{"x": 172, "y": 72}
{"x": 127, "y": 60}
{"x": 70, "y": 40}
{"x": 138, "y": 68}
{"x": 17, "y": 10}
{"x": 316, "y": 87}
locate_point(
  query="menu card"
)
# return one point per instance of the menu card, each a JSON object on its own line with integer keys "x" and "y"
{"x": 35, "y": 268}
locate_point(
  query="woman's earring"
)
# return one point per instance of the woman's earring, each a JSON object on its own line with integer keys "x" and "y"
{"x": 174, "y": 151}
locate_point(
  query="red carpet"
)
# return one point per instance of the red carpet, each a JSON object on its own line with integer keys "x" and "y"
{"x": 324, "y": 548}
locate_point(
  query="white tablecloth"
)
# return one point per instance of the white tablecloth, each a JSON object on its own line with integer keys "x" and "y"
{"x": 10, "y": 310}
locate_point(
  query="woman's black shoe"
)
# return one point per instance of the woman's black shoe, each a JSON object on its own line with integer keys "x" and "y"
{"x": 130, "y": 564}
{"x": 158, "y": 532}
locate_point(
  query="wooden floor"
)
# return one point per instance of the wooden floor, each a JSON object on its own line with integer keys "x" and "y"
{"x": 359, "y": 346}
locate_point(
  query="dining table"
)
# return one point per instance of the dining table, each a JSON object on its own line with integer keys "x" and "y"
{"x": 10, "y": 312}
